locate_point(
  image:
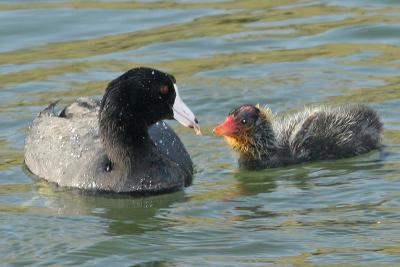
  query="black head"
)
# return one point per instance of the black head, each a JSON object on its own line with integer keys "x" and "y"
{"x": 142, "y": 92}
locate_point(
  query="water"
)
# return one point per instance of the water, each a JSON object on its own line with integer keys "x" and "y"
{"x": 285, "y": 54}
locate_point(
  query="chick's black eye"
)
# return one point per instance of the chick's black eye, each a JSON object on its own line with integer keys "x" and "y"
{"x": 164, "y": 89}
{"x": 244, "y": 121}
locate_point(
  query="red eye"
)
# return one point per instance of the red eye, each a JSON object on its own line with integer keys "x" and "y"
{"x": 164, "y": 89}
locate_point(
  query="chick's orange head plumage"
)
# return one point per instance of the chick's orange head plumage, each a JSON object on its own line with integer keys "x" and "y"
{"x": 227, "y": 128}
{"x": 239, "y": 123}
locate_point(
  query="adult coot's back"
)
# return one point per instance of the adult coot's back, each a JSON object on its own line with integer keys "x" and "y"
{"x": 118, "y": 145}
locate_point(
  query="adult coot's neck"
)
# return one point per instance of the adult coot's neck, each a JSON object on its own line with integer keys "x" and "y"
{"x": 132, "y": 102}
{"x": 123, "y": 130}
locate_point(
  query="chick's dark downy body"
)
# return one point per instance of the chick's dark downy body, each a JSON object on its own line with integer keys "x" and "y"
{"x": 267, "y": 140}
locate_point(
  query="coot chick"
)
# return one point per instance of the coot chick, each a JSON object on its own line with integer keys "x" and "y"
{"x": 266, "y": 140}
{"x": 118, "y": 145}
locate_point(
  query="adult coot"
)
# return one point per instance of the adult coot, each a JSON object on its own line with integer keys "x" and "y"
{"x": 118, "y": 145}
{"x": 266, "y": 140}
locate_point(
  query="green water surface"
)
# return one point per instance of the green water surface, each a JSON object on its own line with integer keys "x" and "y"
{"x": 285, "y": 54}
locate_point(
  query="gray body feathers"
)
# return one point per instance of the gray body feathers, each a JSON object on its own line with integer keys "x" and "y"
{"x": 68, "y": 151}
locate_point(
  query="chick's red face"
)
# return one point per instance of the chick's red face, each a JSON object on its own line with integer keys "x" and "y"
{"x": 239, "y": 122}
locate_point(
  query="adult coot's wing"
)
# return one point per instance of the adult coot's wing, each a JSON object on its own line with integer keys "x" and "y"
{"x": 169, "y": 143}
{"x": 81, "y": 107}
{"x": 65, "y": 149}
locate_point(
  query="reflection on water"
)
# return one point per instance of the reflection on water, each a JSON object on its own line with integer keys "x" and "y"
{"x": 285, "y": 54}
{"x": 127, "y": 215}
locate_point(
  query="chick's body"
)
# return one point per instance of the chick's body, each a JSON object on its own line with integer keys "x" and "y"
{"x": 316, "y": 133}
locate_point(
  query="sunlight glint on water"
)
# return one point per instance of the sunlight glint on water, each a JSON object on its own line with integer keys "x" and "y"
{"x": 284, "y": 54}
